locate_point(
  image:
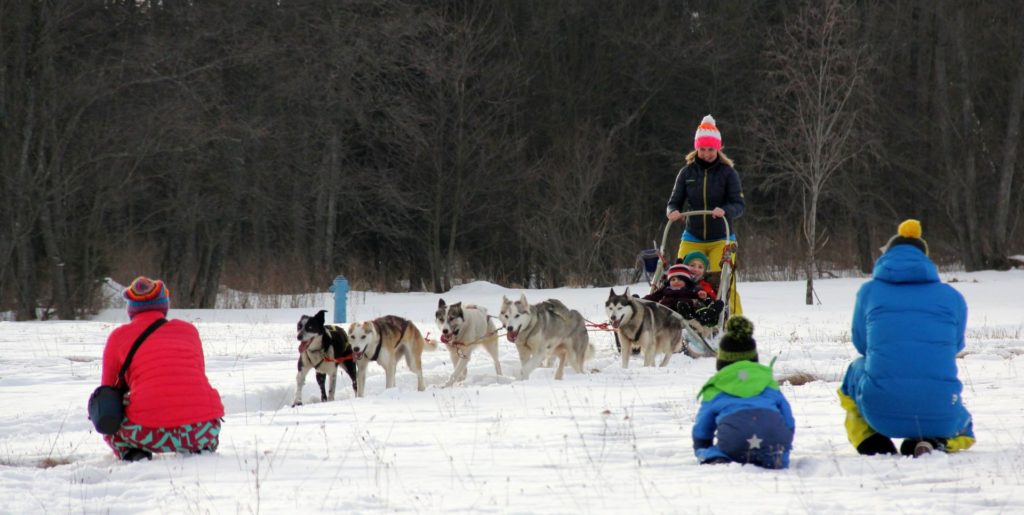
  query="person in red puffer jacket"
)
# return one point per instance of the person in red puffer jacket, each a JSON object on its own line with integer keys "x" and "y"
{"x": 171, "y": 406}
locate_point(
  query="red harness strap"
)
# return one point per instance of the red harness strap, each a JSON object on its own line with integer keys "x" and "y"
{"x": 604, "y": 326}
{"x": 348, "y": 357}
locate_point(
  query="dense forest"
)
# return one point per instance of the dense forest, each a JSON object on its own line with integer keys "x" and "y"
{"x": 268, "y": 146}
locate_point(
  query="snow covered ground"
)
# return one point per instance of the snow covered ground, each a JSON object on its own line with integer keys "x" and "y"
{"x": 613, "y": 440}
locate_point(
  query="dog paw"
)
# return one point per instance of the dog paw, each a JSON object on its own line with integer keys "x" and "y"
{"x": 294, "y": 404}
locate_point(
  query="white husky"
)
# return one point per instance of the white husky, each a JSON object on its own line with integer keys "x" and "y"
{"x": 546, "y": 328}
{"x": 464, "y": 329}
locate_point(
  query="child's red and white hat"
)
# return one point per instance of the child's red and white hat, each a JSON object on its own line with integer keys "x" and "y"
{"x": 680, "y": 270}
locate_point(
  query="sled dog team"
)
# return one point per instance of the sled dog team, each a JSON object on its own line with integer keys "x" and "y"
{"x": 548, "y": 330}
{"x": 542, "y": 333}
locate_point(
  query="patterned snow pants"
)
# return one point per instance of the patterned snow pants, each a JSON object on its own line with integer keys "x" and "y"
{"x": 189, "y": 438}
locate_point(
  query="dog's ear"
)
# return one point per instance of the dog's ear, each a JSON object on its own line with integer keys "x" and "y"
{"x": 626, "y": 293}
{"x": 440, "y": 303}
{"x": 522, "y": 298}
{"x": 611, "y": 292}
{"x": 320, "y": 315}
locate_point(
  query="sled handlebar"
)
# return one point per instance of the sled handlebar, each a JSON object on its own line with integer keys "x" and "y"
{"x": 694, "y": 213}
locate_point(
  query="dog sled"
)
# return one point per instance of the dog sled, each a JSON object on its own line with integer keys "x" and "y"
{"x": 700, "y": 339}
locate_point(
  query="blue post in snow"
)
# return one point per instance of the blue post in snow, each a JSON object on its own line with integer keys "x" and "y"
{"x": 340, "y": 289}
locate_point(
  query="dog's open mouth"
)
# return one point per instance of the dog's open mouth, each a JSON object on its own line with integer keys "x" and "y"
{"x": 304, "y": 345}
{"x": 616, "y": 322}
{"x": 511, "y": 335}
{"x": 446, "y": 337}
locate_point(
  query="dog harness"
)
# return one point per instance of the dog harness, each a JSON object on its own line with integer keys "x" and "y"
{"x": 329, "y": 334}
{"x": 640, "y": 328}
{"x": 380, "y": 343}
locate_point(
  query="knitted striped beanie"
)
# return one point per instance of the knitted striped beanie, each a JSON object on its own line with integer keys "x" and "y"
{"x": 681, "y": 271}
{"x": 707, "y": 134}
{"x": 145, "y": 294}
{"x": 738, "y": 343}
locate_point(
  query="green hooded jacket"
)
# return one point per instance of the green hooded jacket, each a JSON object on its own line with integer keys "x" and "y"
{"x": 742, "y": 379}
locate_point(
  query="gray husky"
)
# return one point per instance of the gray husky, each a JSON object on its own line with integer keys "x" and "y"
{"x": 464, "y": 329}
{"x": 546, "y": 328}
{"x": 647, "y": 325}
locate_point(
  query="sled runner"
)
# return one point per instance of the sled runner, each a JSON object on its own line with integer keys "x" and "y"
{"x": 705, "y": 343}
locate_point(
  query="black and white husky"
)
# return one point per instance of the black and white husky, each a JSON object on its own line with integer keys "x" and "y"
{"x": 463, "y": 330}
{"x": 323, "y": 348}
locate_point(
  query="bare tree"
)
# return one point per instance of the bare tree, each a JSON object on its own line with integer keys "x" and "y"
{"x": 815, "y": 70}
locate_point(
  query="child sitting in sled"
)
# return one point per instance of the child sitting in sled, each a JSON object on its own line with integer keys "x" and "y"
{"x": 684, "y": 295}
{"x": 698, "y": 263}
{"x": 708, "y": 308}
{"x": 679, "y": 288}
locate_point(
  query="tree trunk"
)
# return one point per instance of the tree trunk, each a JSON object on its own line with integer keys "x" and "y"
{"x": 811, "y": 237}
{"x": 949, "y": 149}
{"x": 58, "y": 277}
{"x": 210, "y": 281}
{"x": 434, "y": 247}
{"x": 865, "y": 251}
{"x": 25, "y": 276}
{"x": 999, "y": 257}
{"x": 969, "y": 217}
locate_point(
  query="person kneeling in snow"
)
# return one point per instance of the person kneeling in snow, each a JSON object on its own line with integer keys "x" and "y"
{"x": 742, "y": 406}
{"x": 171, "y": 406}
{"x": 908, "y": 327}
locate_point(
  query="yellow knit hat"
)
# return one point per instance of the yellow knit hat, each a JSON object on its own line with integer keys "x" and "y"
{"x": 910, "y": 228}
{"x": 909, "y": 233}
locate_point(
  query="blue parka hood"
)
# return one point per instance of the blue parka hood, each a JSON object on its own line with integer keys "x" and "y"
{"x": 905, "y": 264}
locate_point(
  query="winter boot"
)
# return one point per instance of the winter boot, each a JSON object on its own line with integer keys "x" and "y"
{"x": 877, "y": 443}
{"x": 866, "y": 440}
{"x": 716, "y": 461}
{"x": 137, "y": 455}
{"x": 917, "y": 448}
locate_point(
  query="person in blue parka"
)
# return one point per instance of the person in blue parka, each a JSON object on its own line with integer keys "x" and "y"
{"x": 908, "y": 327}
{"x": 742, "y": 406}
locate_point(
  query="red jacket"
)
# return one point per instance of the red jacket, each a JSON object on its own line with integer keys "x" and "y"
{"x": 706, "y": 286}
{"x": 167, "y": 376}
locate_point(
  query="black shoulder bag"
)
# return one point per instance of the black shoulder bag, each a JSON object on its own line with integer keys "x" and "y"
{"x": 106, "y": 404}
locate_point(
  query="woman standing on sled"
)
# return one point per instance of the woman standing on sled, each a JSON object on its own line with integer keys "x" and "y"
{"x": 708, "y": 182}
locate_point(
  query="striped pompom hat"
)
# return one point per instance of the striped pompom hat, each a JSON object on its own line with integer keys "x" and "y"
{"x": 707, "y": 134}
{"x": 145, "y": 294}
{"x": 681, "y": 271}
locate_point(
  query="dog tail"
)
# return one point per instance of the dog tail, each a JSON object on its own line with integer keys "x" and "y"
{"x": 430, "y": 344}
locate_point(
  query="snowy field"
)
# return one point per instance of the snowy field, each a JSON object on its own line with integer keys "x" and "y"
{"x": 611, "y": 441}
